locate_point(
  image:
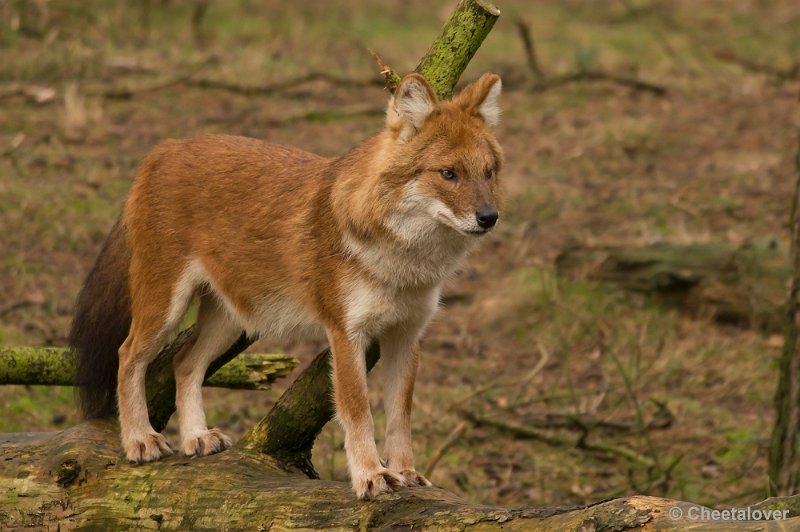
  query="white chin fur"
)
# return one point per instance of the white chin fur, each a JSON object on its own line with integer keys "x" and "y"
{"x": 465, "y": 225}
{"x": 419, "y": 214}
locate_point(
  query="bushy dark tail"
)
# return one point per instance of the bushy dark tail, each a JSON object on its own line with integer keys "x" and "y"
{"x": 100, "y": 326}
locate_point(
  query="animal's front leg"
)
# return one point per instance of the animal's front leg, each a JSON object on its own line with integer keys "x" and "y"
{"x": 400, "y": 358}
{"x": 369, "y": 477}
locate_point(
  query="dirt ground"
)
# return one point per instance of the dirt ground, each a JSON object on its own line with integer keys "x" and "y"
{"x": 617, "y": 395}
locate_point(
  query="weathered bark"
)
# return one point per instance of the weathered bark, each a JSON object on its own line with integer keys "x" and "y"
{"x": 54, "y": 366}
{"x": 784, "y": 451}
{"x": 453, "y": 49}
{"x": 76, "y": 479}
{"x": 745, "y": 286}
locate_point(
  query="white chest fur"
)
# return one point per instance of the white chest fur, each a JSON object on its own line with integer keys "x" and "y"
{"x": 281, "y": 318}
{"x": 372, "y": 307}
{"x": 424, "y": 251}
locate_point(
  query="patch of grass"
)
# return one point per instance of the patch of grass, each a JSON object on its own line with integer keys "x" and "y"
{"x": 35, "y": 408}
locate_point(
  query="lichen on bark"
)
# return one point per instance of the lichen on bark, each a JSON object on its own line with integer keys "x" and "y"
{"x": 460, "y": 38}
{"x": 55, "y": 366}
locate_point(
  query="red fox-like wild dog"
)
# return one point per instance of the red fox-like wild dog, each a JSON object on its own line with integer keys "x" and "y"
{"x": 283, "y": 243}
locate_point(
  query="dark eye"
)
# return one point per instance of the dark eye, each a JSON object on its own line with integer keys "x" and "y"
{"x": 449, "y": 175}
{"x": 489, "y": 173}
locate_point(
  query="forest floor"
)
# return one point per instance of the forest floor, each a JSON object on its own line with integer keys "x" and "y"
{"x": 670, "y": 404}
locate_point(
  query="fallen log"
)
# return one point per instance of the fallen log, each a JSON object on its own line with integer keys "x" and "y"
{"x": 78, "y": 479}
{"x": 743, "y": 286}
{"x": 55, "y": 367}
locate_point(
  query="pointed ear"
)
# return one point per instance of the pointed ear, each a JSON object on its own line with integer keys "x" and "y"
{"x": 480, "y": 98}
{"x": 413, "y": 101}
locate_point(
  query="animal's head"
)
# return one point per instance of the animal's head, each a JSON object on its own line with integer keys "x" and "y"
{"x": 446, "y": 153}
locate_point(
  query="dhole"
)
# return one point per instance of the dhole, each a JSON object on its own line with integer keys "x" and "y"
{"x": 282, "y": 243}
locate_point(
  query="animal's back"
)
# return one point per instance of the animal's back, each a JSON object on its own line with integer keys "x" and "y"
{"x": 236, "y": 209}
{"x": 219, "y": 179}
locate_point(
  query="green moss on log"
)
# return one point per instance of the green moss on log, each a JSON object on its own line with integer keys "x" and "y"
{"x": 458, "y": 41}
{"x": 243, "y": 490}
{"x": 54, "y": 366}
{"x": 36, "y": 365}
{"x": 161, "y": 377}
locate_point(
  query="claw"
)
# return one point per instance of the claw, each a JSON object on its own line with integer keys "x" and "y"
{"x": 371, "y": 485}
{"x": 205, "y": 443}
{"x": 146, "y": 447}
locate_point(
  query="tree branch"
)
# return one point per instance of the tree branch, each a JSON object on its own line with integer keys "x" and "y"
{"x": 289, "y": 430}
{"x": 54, "y": 366}
{"x": 524, "y": 30}
{"x": 161, "y": 377}
{"x": 458, "y": 41}
{"x": 525, "y": 432}
{"x": 599, "y": 75}
{"x": 390, "y": 77}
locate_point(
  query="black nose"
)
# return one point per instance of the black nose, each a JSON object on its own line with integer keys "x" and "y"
{"x": 487, "y": 217}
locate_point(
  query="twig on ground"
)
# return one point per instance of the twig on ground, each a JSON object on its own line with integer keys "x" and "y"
{"x": 543, "y": 83}
{"x": 781, "y": 74}
{"x": 43, "y": 95}
{"x": 281, "y": 86}
{"x": 16, "y": 305}
{"x": 523, "y": 431}
{"x": 15, "y": 143}
{"x": 544, "y": 357}
{"x": 124, "y": 93}
{"x": 662, "y": 420}
{"x": 601, "y": 76}
{"x": 492, "y": 385}
{"x": 37, "y": 94}
{"x": 451, "y": 439}
{"x": 558, "y": 396}
{"x": 633, "y": 396}
{"x": 524, "y": 29}
{"x": 327, "y": 116}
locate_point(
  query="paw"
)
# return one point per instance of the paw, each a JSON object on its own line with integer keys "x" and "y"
{"x": 413, "y": 478}
{"x": 370, "y": 485}
{"x": 145, "y": 447}
{"x": 206, "y": 442}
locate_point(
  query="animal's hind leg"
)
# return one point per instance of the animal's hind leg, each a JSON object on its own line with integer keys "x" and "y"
{"x": 216, "y": 331}
{"x": 155, "y": 314}
{"x": 140, "y": 441}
